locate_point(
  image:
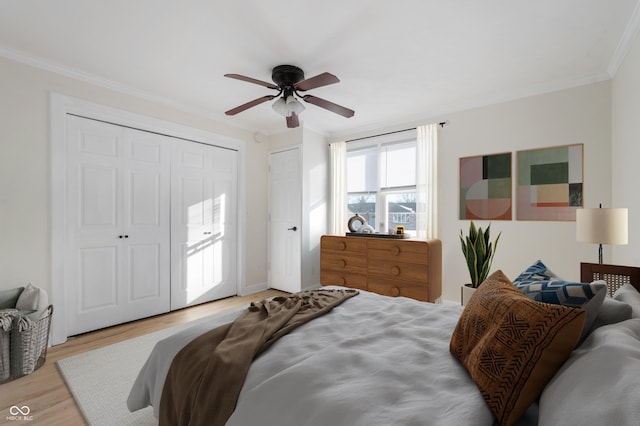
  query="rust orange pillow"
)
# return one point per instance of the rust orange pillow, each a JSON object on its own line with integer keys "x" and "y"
{"x": 512, "y": 345}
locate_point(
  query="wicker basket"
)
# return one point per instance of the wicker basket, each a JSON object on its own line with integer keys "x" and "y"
{"x": 28, "y": 347}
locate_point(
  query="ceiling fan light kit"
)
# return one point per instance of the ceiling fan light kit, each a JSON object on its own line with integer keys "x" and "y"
{"x": 288, "y": 107}
{"x": 289, "y": 82}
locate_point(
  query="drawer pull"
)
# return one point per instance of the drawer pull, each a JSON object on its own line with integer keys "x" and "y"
{"x": 395, "y": 291}
{"x": 342, "y": 263}
{"x": 342, "y": 245}
{"x": 342, "y": 281}
{"x": 395, "y": 250}
{"x": 395, "y": 270}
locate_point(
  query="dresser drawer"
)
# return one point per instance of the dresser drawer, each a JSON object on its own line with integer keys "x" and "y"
{"x": 418, "y": 273}
{"x": 346, "y": 279}
{"x": 405, "y": 251}
{"x": 351, "y": 245}
{"x": 396, "y": 288}
{"x": 343, "y": 262}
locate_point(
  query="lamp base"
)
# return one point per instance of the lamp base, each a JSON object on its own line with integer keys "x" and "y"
{"x": 600, "y": 254}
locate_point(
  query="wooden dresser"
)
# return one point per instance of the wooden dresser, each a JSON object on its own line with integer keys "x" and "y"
{"x": 392, "y": 267}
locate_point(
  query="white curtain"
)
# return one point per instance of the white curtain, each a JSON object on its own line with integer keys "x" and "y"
{"x": 427, "y": 181}
{"x": 338, "y": 188}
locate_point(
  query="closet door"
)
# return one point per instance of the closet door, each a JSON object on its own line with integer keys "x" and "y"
{"x": 146, "y": 225}
{"x": 117, "y": 224}
{"x": 203, "y": 223}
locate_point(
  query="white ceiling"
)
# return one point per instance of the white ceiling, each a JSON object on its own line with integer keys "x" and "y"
{"x": 398, "y": 62}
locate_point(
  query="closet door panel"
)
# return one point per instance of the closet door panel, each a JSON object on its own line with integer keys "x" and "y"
{"x": 146, "y": 233}
{"x": 94, "y": 222}
{"x": 223, "y": 241}
{"x": 99, "y": 195}
{"x": 118, "y": 224}
{"x": 222, "y": 216}
{"x": 145, "y": 271}
{"x": 98, "y": 278}
{"x": 202, "y": 269}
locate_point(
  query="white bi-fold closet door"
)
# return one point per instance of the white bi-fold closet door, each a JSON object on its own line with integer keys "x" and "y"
{"x": 131, "y": 195}
{"x": 204, "y": 228}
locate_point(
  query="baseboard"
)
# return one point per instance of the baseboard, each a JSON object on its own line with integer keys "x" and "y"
{"x": 253, "y": 288}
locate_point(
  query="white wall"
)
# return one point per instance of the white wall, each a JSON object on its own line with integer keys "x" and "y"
{"x": 578, "y": 115}
{"x": 25, "y": 170}
{"x": 315, "y": 183}
{"x": 626, "y": 151}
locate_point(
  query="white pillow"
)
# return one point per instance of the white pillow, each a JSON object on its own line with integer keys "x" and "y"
{"x": 612, "y": 311}
{"x": 629, "y": 295}
{"x": 32, "y": 299}
{"x": 598, "y": 384}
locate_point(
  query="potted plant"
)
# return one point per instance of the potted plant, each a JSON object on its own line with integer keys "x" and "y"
{"x": 478, "y": 252}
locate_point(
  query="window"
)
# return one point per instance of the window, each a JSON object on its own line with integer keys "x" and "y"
{"x": 381, "y": 181}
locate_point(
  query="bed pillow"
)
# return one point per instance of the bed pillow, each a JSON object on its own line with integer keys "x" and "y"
{"x": 588, "y": 296}
{"x": 536, "y": 272}
{"x": 629, "y": 295}
{"x": 612, "y": 311}
{"x": 512, "y": 345}
{"x": 598, "y": 384}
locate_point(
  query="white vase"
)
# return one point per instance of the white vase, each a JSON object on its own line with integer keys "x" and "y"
{"x": 467, "y": 292}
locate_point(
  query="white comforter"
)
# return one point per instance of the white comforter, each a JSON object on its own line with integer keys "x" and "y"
{"x": 373, "y": 360}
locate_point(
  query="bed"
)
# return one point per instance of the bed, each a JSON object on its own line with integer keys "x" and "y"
{"x": 377, "y": 360}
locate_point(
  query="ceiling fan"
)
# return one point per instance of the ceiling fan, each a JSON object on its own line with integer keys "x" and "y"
{"x": 289, "y": 82}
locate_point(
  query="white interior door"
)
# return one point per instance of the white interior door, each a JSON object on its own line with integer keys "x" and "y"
{"x": 146, "y": 227}
{"x": 285, "y": 204}
{"x": 117, "y": 223}
{"x": 203, "y": 223}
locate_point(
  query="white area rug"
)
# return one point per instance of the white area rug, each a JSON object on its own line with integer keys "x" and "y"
{"x": 100, "y": 380}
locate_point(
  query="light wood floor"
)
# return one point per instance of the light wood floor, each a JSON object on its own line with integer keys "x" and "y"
{"x": 45, "y": 392}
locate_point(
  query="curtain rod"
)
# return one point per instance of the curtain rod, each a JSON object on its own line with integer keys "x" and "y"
{"x": 441, "y": 124}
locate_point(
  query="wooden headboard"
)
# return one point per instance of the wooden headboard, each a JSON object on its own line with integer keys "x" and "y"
{"x": 615, "y": 276}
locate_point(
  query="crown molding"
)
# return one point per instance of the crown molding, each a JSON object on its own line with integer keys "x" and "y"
{"x": 626, "y": 41}
{"x": 478, "y": 102}
{"x": 112, "y": 85}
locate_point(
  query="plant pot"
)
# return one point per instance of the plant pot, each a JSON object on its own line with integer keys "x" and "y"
{"x": 467, "y": 292}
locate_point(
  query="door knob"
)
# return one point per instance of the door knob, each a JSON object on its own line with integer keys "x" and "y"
{"x": 295, "y": 228}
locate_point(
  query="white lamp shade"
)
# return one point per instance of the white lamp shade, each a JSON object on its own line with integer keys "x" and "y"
{"x": 280, "y": 106}
{"x": 602, "y": 226}
{"x": 294, "y": 105}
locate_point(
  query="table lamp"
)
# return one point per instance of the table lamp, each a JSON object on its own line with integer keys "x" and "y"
{"x": 602, "y": 226}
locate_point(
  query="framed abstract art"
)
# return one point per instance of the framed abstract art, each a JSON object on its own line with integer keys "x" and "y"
{"x": 550, "y": 183}
{"x": 485, "y": 187}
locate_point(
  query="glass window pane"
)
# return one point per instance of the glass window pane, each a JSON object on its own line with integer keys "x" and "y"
{"x": 398, "y": 165}
{"x": 402, "y": 210}
{"x": 364, "y": 205}
{"x": 362, "y": 170}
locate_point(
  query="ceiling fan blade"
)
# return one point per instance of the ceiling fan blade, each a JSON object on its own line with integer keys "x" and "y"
{"x": 323, "y": 103}
{"x": 252, "y": 80}
{"x": 319, "y": 80}
{"x": 292, "y": 120}
{"x": 250, "y": 104}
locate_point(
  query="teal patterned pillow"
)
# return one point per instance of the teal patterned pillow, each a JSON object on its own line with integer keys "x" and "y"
{"x": 536, "y": 272}
{"x": 588, "y": 296}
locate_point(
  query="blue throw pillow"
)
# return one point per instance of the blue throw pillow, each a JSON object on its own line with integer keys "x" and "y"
{"x": 588, "y": 296}
{"x": 536, "y": 272}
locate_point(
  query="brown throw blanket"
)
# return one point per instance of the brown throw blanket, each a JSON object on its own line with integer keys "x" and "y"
{"x": 206, "y": 376}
